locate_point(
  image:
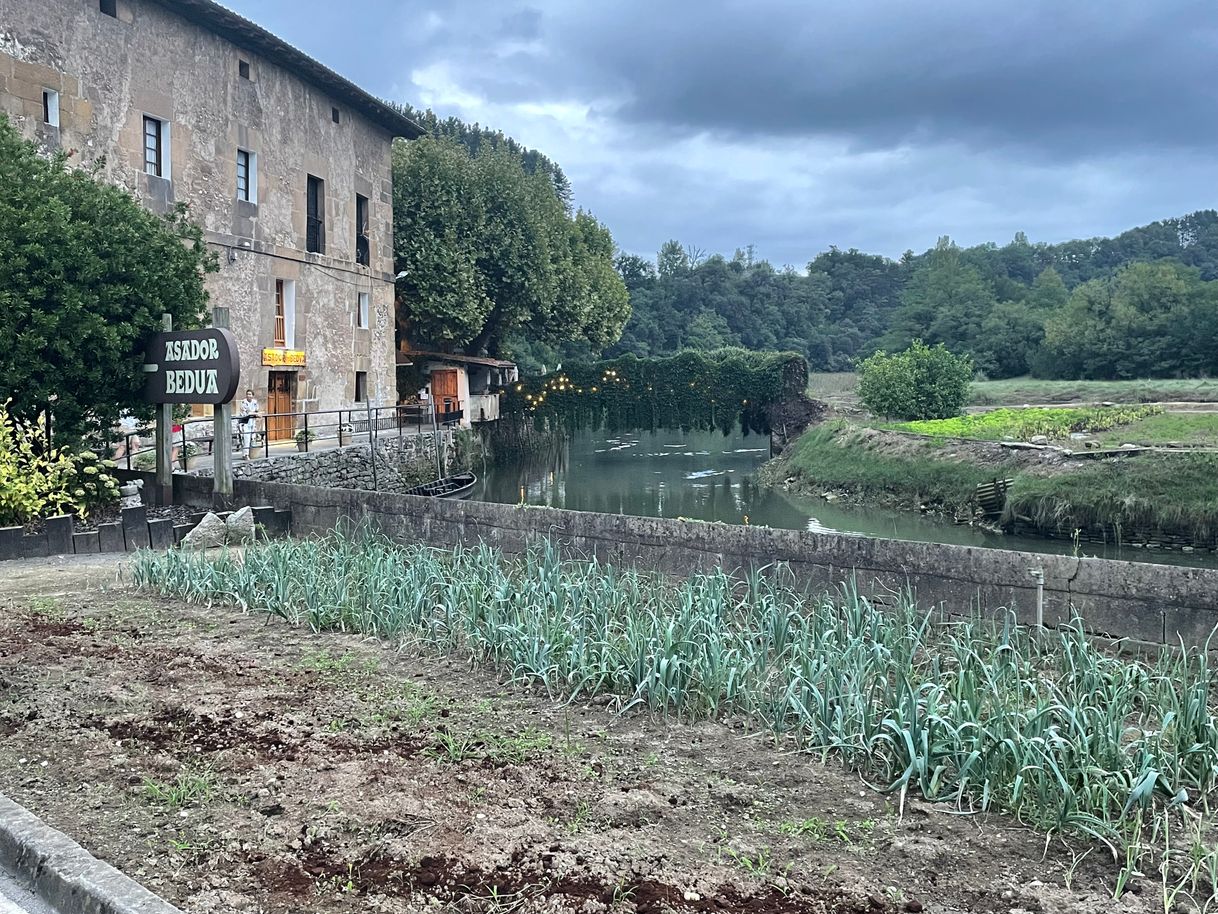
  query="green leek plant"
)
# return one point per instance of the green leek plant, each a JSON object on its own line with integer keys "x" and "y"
{"x": 982, "y": 713}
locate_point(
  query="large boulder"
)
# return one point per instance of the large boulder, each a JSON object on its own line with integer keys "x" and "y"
{"x": 211, "y": 531}
{"x": 240, "y": 526}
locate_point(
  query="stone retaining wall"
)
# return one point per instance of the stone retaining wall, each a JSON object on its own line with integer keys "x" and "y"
{"x": 401, "y": 462}
{"x": 1158, "y": 604}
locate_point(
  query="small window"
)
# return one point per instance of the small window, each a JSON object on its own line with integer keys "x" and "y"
{"x": 281, "y": 329}
{"x": 363, "y": 250}
{"x": 243, "y": 69}
{"x": 109, "y": 7}
{"x": 361, "y": 316}
{"x": 361, "y": 387}
{"x": 247, "y": 176}
{"x": 156, "y": 147}
{"x": 50, "y": 107}
{"x": 315, "y": 216}
{"x": 334, "y": 115}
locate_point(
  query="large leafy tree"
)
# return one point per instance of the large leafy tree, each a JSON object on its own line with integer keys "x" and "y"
{"x": 85, "y": 275}
{"x": 490, "y": 254}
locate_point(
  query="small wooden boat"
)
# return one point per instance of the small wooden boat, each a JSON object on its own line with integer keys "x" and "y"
{"x": 458, "y": 486}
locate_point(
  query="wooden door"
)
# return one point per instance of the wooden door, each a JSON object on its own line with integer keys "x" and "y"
{"x": 444, "y": 389}
{"x": 279, "y": 421}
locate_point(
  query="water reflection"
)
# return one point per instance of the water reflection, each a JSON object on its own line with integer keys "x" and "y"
{"x": 711, "y": 477}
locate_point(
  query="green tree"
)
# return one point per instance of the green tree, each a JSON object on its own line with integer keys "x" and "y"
{"x": 945, "y": 301}
{"x": 1048, "y": 292}
{"x": 922, "y": 382}
{"x": 437, "y": 227}
{"x": 491, "y": 255}
{"x": 709, "y": 331}
{"x": 1138, "y": 323}
{"x": 85, "y": 275}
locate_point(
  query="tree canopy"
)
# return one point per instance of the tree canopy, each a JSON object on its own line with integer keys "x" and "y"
{"x": 85, "y": 274}
{"x": 1010, "y": 308}
{"x": 491, "y": 253}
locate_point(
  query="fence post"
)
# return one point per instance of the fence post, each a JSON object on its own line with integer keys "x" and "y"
{"x": 306, "y": 431}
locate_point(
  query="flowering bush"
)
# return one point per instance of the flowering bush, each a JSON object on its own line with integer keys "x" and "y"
{"x": 40, "y": 481}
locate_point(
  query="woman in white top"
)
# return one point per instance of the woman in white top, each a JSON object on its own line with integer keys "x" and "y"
{"x": 247, "y": 410}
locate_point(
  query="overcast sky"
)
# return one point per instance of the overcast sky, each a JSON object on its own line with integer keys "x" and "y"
{"x": 876, "y": 124}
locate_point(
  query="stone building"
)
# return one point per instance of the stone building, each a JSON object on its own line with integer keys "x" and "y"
{"x": 284, "y": 163}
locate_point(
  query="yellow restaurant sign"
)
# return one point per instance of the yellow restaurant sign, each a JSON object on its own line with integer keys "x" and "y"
{"x": 292, "y": 357}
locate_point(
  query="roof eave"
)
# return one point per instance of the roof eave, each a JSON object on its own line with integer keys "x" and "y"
{"x": 246, "y": 34}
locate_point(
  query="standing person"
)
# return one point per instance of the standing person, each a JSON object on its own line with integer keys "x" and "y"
{"x": 248, "y": 412}
{"x": 129, "y": 440}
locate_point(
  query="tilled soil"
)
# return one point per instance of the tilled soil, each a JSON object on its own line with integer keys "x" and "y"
{"x": 235, "y": 764}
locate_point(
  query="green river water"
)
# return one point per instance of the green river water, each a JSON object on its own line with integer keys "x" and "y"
{"x": 711, "y": 477}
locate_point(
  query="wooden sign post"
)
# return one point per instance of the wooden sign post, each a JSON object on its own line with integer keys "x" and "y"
{"x": 193, "y": 366}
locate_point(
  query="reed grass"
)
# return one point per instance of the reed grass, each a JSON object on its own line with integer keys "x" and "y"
{"x": 982, "y": 715}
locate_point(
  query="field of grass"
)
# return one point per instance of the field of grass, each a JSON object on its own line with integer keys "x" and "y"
{"x": 1052, "y": 730}
{"x": 1172, "y": 491}
{"x": 839, "y": 389}
{"x": 838, "y": 456}
{"x": 1023, "y": 424}
{"x": 1196, "y": 429}
{"x": 1019, "y": 391}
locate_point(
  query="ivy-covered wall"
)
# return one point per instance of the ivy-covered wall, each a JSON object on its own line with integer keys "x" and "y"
{"x": 691, "y": 390}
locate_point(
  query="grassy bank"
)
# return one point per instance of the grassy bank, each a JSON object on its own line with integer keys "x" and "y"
{"x": 842, "y": 457}
{"x": 1175, "y": 492}
{"x": 1050, "y": 729}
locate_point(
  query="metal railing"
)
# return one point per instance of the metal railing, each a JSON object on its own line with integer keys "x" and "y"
{"x": 268, "y": 433}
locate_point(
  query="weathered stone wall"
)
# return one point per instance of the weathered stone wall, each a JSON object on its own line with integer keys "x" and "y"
{"x": 111, "y": 71}
{"x": 400, "y": 463}
{"x": 1157, "y": 604}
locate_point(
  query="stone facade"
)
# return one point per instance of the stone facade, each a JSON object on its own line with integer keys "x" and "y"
{"x": 220, "y": 86}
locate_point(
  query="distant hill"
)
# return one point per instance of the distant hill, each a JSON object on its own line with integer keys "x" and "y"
{"x": 992, "y": 301}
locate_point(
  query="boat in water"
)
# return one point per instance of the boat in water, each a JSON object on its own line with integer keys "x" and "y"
{"x": 457, "y": 486}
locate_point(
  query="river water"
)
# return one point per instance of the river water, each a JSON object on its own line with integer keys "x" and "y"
{"x": 711, "y": 477}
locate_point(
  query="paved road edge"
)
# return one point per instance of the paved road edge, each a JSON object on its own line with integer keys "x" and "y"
{"x": 63, "y": 873}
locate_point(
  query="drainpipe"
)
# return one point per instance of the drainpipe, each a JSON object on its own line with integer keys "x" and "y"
{"x": 1038, "y": 575}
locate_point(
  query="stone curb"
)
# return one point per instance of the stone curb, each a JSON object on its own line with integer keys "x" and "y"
{"x": 64, "y": 874}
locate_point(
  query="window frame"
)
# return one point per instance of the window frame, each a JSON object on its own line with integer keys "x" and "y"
{"x": 160, "y": 149}
{"x": 50, "y": 107}
{"x": 363, "y": 243}
{"x": 363, "y": 307}
{"x": 315, "y": 215}
{"x": 251, "y": 176}
{"x": 280, "y": 333}
{"x": 108, "y": 8}
{"x": 361, "y": 387}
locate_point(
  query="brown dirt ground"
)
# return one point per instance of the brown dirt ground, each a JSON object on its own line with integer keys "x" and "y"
{"x": 328, "y": 772}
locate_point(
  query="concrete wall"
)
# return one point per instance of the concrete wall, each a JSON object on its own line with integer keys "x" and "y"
{"x": 1148, "y": 603}
{"x": 111, "y": 71}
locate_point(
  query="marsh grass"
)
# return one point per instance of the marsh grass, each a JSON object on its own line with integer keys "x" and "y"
{"x": 978, "y": 714}
{"x": 1172, "y": 492}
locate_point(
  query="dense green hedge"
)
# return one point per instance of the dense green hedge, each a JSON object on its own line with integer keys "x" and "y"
{"x": 691, "y": 390}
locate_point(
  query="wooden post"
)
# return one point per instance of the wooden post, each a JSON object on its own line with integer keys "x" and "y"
{"x": 222, "y": 433}
{"x": 164, "y": 440}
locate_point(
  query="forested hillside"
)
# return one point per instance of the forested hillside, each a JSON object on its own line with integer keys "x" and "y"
{"x": 1142, "y": 304}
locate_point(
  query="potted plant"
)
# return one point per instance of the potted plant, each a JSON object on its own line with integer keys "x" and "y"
{"x": 303, "y": 437}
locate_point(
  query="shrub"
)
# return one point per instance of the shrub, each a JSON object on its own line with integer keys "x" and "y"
{"x": 41, "y": 481}
{"x": 919, "y": 383}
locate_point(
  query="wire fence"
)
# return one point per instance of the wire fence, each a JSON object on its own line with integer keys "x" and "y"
{"x": 263, "y": 435}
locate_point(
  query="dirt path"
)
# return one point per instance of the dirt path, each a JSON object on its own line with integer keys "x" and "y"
{"x": 238, "y": 765}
